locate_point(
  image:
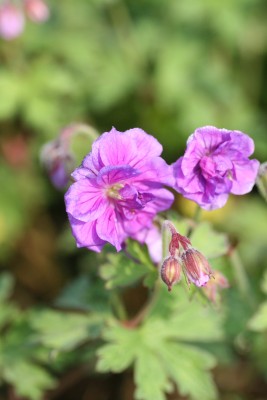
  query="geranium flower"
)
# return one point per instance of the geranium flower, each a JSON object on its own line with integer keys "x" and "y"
{"x": 215, "y": 164}
{"x": 11, "y": 21}
{"x": 118, "y": 189}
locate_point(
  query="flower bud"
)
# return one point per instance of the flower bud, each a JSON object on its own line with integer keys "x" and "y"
{"x": 196, "y": 267}
{"x": 58, "y": 161}
{"x": 262, "y": 180}
{"x": 171, "y": 271}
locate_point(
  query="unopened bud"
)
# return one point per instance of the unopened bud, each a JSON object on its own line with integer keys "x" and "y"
{"x": 262, "y": 180}
{"x": 171, "y": 271}
{"x": 58, "y": 161}
{"x": 196, "y": 267}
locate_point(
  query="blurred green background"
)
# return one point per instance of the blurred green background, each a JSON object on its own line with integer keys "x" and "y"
{"x": 167, "y": 67}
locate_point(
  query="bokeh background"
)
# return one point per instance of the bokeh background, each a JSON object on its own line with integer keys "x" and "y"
{"x": 167, "y": 67}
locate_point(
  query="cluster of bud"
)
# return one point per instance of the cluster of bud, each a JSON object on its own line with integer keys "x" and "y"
{"x": 184, "y": 258}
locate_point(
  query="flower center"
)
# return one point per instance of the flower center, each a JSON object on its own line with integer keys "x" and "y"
{"x": 208, "y": 167}
{"x": 113, "y": 191}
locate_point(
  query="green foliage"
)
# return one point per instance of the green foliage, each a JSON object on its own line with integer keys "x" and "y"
{"x": 166, "y": 350}
{"x": 64, "y": 331}
{"x": 19, "y": 363}
{"x": 28, "y": 340}
{"x": 258, "y": 322}
{"x": 84, "y": 294}
{"x": 125, "y": 269}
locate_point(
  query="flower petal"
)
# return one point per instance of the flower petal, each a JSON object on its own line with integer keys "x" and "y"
{"x": 85, "y": 234}
{"x": 245, "y": 172}
{"x": 108, "y": 228}
{"x": 113, "y": 174}
{"x": 85, "y": 200}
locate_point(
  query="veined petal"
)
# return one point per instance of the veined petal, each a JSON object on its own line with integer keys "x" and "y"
{"x": 113, "y": 174}
{"x": 85, "y": 201}
{"x": 85, "y": 234}
{"x": 210, "y": 137}
{"x": 108, "y": 228}
{"x": 133, "y": 147}
{"x": 245, "y": 172}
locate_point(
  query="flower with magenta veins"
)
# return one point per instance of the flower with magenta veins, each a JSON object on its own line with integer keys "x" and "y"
{"x": 118, "y": 189}
{"x": 216, "y": 163}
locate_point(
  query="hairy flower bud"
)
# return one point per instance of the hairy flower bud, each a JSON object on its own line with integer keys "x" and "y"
{"x": 58, "y": 161}
{"x": 196, "y": 267}
{"x": 171, "y": 271}
{"x": 262, "y": 180}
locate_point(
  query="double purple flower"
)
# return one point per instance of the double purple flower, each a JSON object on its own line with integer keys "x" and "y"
{"x": 215, "y": 164}
{"x": 118, "y": 189}
{"x": 119, "y": 186}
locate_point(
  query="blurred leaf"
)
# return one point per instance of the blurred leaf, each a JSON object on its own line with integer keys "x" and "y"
{"x": 84, "y": 294}
{"x": 211, "y": 243}
{"x": 64, "y": 331}
{"x": 120, "y": 270}
{"x": 259, "y": 321}
{"x": 188, "y": 367}
{"x": 28, "y": 379}
{"x": 6, "y": 286}
{"x": 151, "y": 376}
{"x": 17, "y": 351}
{"x": 160, "y": 352}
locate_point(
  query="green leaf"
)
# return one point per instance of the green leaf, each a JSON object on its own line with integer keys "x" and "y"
{"x": 17, "y": 351}
{"x": 160, "y": 349}
{"x": 188, "y": 320}
{"x": 259, "y": 321}
{"x": 28, "y": 379}
{"x": 120, "y": 270}
{"x": 151, "y": 377}
{"x": 120, "y": 352}
{"x": 84, "y": 294}
{"x": 6, "y": 286}
{"x": 64, "y": 331}
{"x": 8, "y": 313}
{"x": 188, "y": 366}
{"x": 211, "y": 243}
{"x": 264, "y": 283}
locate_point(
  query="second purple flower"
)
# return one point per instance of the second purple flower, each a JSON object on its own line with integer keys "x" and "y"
{"x": 118, "y": 189}
{"x": 215, "y": 164}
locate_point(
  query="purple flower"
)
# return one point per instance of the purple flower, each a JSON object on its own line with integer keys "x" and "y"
{"x": 118, "y": 189}
{"x": 215, "y": 164}
{"x": 11, "y": 21}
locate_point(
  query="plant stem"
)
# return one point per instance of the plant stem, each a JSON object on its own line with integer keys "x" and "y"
{"x": 136, "y": 321}
{"x": 196, "y": 219}
{"x": 241, "y": 277}
{"x": 118, "y": 306}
